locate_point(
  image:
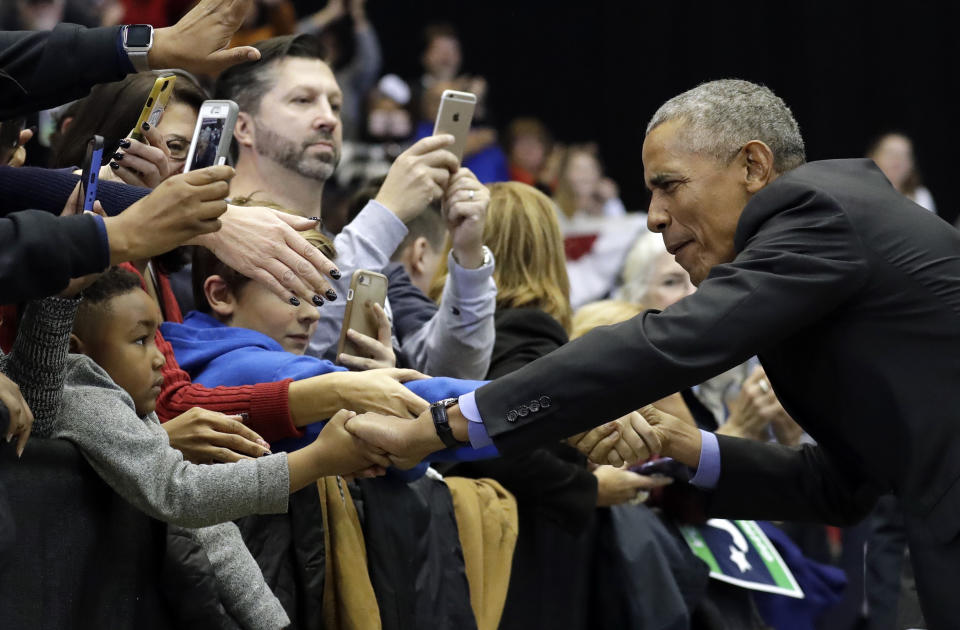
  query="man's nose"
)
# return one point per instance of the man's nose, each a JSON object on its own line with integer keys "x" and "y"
{"x": 326, "y": 117}
{"x": 658, "y": 219}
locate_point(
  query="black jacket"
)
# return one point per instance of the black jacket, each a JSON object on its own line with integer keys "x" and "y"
{"x": 43, "y": 69}
{"x": 850, "y": 295}
{"x": 39, "y": 251}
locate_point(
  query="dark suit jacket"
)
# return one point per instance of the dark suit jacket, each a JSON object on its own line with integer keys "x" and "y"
{"x": 850, "y": 294}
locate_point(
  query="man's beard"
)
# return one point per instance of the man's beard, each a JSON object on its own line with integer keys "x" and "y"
{"x": 293, "y": 156}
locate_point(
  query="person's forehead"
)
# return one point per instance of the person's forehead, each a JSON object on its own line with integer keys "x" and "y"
{"x": 294, "y": 72}
{"x": 132, "y": 310}
{"x": 665, "y": 151}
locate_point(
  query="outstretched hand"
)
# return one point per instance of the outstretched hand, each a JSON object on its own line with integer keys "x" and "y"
{"x": 627, "y": 440}
{"x": 198, "y": 42}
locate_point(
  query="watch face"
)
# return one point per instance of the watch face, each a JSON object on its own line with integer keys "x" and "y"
{"x": 138, "y": 35}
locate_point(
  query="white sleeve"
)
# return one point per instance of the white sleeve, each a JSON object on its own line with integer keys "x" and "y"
{"x": 458, "y": 339}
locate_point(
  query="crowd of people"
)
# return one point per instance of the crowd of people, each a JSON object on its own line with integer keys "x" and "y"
{"x": 180, "y": 353}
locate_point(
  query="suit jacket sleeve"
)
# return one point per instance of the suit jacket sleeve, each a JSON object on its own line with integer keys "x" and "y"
{"x": 798, "y": 260}
{"x": 40, "y": 253}
{"x": 43, "y": 69}
{"x": 774, "y": 482}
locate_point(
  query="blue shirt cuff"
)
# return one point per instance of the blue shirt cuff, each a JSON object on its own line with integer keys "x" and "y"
{"x": 125, "y": 64}
{"x": 708, "y": 470}
{"x": 104, "y": 240}
{"x": 477, "y": 432}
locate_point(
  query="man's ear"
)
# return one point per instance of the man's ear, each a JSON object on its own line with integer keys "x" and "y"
{"x": 418, "y": 249}
{"x": 244, "y": 130}
{"x": 221, "y": 299}
{"x": 758, "y": 162}
{"x": 76, "y": 345}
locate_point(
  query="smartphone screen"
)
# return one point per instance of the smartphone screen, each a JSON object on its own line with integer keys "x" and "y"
{"x": 208, "y": 139}
{"x": 90, "y": 175}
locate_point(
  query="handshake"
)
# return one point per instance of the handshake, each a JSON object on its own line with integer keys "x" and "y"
{"x": 364, "y": 445}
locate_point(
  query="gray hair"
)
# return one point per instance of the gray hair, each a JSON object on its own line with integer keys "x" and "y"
{"x": 638, "y": 268}
{"x": 724, "y": 115}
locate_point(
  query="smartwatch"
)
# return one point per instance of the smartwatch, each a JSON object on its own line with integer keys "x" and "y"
{"x": 137, "y": 42}
{"x": 442, "y": 423}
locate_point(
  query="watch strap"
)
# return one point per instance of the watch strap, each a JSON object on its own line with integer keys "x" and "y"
{"x": 441, "y": 422}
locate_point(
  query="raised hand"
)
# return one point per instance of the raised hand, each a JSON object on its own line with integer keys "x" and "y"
{"x": 198, "y": 42}
{"x": 138, "y": 163}
{"x": 418, "y": 176}
{"x": 465, "y": 210}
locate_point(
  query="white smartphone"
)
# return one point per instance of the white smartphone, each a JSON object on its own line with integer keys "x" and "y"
{"x": 454, "y": 117}
{"x": 212, "y": 135}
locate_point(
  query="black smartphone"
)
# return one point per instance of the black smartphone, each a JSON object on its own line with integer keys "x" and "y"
{"x": 90, "y": 175}
{"x": 10, "y": 138}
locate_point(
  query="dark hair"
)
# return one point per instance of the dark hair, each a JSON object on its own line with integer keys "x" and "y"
{"x": 206, "y": 264}
{"x": 111, "y": 110}
{"x": 428, "y": 224}
{"x": 437, "y": 30}
{"x": 913, "y": 179}
{"x": 112, "y": 283}
{"x": 246, "y": 83}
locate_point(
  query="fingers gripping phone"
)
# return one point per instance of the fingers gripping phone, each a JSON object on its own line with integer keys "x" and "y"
{"x": 365, "y": 286}
{"x": 90, "y": 175}
{"x": 155, "y": 104}
{"x": 10, "y": 138}
{"x": 212, "y": 135}
{"x": 454, "y": 117}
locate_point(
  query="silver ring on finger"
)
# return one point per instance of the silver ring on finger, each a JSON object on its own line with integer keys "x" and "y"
{"x": 762, "y": 384}
{"x": 642, "y": 496}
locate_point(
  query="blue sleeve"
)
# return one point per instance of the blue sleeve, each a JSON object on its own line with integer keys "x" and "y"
{"x": 708, "y": 470}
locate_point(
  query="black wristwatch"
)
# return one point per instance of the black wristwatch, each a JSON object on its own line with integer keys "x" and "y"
{"x": 442, "y": 424}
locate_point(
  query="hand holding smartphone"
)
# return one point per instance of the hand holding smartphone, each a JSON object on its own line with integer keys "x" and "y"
{"x": 365, "y": 286}
{"x": 155, "y": 105}
{"x": 454, "y": 117}
{"x": 212, "y": 135}
{"x": 90, "y": 175}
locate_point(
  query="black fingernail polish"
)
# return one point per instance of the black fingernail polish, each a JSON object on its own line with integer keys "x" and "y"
{"x": 294, "y": 301}
{"x": 118, "y": 156}
{"x": 314, "y": 218}
{"x": 145, "y": 126}
{"x": 114, "y": 165}
{"x": 335, "y": 274}
{"x": 317, "y": 300}
{"x": 331, "y": 294}
{"x": 125, "y": 143}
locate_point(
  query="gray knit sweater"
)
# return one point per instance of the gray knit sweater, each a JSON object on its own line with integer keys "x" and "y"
{"x": 134, "y": 456}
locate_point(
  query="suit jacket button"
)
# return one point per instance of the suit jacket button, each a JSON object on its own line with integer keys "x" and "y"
{"x": 523, "y": 410}
{"x": 534, "y": 406}
{"x": 545, "y": 402}
{"x": 511, "y": 416}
